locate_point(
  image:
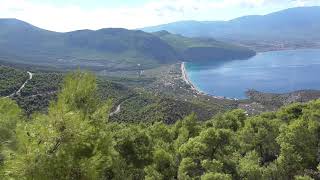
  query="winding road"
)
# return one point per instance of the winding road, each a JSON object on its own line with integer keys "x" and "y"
{"x": 23, "y": 85}
{"x": 118, "y": 109}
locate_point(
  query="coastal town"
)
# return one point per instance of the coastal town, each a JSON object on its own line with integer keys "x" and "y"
{"x": 173, "y": 81}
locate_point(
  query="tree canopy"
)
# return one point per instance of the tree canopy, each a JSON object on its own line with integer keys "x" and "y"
{"x": 75, "y": 140}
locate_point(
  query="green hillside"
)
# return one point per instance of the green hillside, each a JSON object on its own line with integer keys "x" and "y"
{"x": 204, "y": 49}
{"x": 110, "y": 49}
{"x": 11, "y": 80}
{"x": 122, "y": 44}
{"x": 103, "y": 49}
{"x": 76, "y": 140}
{"x": 137, "y": 104}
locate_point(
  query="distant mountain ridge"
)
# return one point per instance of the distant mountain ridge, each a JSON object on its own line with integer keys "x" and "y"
{"x": 300, "y": 23}
{"x": 109, "y": 48}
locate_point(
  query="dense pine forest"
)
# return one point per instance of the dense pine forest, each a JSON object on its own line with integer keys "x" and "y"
{"x": 11, "y": 80}
{"x": 76, "y": 140}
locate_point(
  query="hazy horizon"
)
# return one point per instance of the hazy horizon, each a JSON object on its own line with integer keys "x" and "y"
{"x": 64, "y": 16}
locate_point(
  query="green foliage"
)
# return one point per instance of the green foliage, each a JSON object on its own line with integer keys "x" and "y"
{"x": 212, "y": 166}
{"x": 75, "y": 140}
{"x": 260, "y": 134}
{"x": 233, "y": 120}
{"x": 185, "y": 129}
{"x": 187, "y": 168}
{"x": 216, "y": 176}
{"x": 299, "y": 142}
{"x": 70, "y": 142}
{"x": 11, "y": 80}
{"x": 291, "y": 112}
{"x": 163, "y": 165}
{"x": 249, "y": 166}
{"x": 10, "y": 115}
{"x": 137, "y": 105}
{"x": 135, "y": 146}
{"x": 41, "y": 83}
{"x": 303, "y": 178}
{"x": 204, "y": 49}
{"x": 39, "y": 91}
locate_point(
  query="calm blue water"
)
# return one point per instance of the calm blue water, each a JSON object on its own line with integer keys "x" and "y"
{"x": 277, "y": 72}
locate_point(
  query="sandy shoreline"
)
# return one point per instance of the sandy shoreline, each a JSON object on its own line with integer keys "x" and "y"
{"x": 193, "y": 87}
{"x": 187, "y": 80}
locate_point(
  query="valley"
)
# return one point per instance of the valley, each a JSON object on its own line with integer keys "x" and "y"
{"x": 147, "y": 65}
{"x": 205, "y": 100}
{"x": 160, "y": 92}
{"x": 165, "y": 89}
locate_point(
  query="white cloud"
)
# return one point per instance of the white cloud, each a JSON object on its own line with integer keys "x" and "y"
{"x": 66, "y": 18}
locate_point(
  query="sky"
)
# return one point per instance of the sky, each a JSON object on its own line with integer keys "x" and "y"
{"x": 69, "y": 15}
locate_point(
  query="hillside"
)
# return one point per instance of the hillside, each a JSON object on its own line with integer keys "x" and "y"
{"x": 110, "y": 49}
{"x": 106, "y": 48}
{"x": 11, "y": 80}
{"x": 163, "y": 96}
{"x": 76, "y": 140}
{"x": 204, "y": 49}
{"x": 295, "y": 24}
{"x": 139, "y": 99}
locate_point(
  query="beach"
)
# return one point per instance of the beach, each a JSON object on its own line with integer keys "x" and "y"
{"x": 193, "y": 87}
{"x": 187, "y": 80}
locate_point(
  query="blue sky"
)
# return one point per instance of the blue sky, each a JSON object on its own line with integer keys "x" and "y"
{"x": 68, "y": 15}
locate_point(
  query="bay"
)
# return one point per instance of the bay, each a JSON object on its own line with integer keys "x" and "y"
{"x": 271, "y": 72}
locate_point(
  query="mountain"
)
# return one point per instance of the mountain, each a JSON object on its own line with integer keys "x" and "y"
{"x": 111, "y": 48}
{"x": 204, "y": 49}
{"x": 300, "y": 23}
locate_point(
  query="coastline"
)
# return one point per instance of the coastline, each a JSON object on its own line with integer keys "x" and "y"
{"x": 194, "y": 88}
{"x": 187, "y": 80}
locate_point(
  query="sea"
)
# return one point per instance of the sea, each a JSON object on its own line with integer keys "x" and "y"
{"x": 269, "y": 72}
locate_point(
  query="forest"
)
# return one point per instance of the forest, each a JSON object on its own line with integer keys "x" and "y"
{"x": 10, "y": 80}
{"x": 76, "y": 140}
